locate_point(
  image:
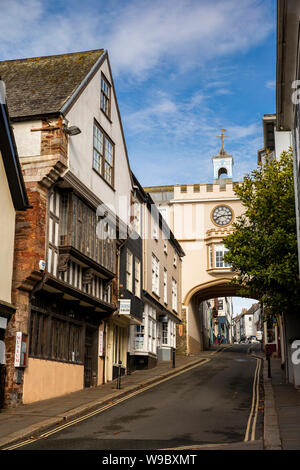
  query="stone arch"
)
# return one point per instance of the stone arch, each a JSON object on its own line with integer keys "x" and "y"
{"x": 194, "y": 327}
{"x": 216, "y": 288}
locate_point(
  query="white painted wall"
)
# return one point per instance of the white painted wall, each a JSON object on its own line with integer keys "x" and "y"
{"x": 7, "y": 236}
{"x": 28, "y": 142}
{"x": 82, "y": 114}
{"x": 283, "y": 141}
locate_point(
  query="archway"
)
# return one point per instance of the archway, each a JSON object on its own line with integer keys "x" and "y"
{"x": 203, "y": 314}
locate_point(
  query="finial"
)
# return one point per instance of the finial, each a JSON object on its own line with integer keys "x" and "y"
{"x": 222, "y": 151}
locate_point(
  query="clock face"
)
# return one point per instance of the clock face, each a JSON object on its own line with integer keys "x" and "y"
{"x": 222, "y": 215}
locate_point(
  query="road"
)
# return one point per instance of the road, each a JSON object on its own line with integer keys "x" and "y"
{"x": 209, "y": 404}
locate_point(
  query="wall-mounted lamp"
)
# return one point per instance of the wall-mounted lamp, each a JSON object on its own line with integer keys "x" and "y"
{"x": 72, "y": 130}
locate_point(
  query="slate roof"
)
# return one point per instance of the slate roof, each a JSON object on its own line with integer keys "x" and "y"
{"x": 253, "y": 309}
{"x": 41, "y": 85}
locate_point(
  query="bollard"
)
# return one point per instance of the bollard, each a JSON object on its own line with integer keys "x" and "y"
{"x": 119, "y": 376}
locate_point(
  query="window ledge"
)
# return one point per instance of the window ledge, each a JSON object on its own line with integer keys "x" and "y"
{"x": 156, "y": 295}
{"x": 99, "y": 174}
{"x": 218, "y": 270}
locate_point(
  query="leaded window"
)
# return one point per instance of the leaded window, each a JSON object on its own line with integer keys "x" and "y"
{"x": 103, "y": 155}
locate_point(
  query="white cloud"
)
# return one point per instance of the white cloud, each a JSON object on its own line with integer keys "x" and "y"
{"x": 140, "y": 35}
{"x": 271, "y": 84}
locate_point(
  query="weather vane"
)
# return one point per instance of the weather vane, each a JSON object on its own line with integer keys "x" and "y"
{"x": 222, "y": 139}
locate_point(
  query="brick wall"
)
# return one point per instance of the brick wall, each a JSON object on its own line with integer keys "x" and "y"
{"x": 31, "y": 242}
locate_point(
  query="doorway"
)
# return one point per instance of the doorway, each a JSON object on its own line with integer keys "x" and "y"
{"x": 90, "y": 357}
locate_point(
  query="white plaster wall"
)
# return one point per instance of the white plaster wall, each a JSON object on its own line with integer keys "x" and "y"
{"x": 283, "y": 140}
{"x": 28, "y": 142}
{"x": 82, "y": 114}
{"x": 7, "y": 236}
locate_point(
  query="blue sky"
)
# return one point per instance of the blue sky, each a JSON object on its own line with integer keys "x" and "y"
{"x": 183, "y": 69}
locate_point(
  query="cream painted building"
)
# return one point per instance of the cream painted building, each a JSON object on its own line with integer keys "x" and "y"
{"x": 13, "y": 197}
{"x": 155, "y": 338}
{"x": 200, "y": 216}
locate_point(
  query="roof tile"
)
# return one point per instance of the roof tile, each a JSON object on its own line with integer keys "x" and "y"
{"x": 41, "y": 85}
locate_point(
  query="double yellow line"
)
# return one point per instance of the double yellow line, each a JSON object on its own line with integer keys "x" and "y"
{"x": 102, "y": 409}
{"x": 255, "y": 402}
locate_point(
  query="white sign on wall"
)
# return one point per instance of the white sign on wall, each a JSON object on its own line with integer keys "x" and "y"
{"x": 18, "y": 349}
{"x": 125, "y": 305}
{"x": 101, "y": 344}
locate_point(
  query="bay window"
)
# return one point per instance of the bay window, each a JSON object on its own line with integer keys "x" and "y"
{"x": 216, "y": 253}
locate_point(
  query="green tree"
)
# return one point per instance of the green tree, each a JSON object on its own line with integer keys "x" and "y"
{"x": 263, "y": 247}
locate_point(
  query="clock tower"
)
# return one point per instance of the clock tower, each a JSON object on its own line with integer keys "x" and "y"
{"x": 223, "y": 163}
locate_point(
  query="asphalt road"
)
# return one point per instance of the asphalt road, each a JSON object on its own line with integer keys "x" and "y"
{"x": 209, "y": 404}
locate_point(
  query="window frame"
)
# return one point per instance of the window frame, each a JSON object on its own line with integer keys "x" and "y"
{"x": 155, "y": 275}
{"x": 165, "y": 286}
{"x": 174, "y": 294}
{"x": 103, "y": 95}
{"x": 52, "y": 337}
{"x": 100, "y": 169}
{"x": 137, "y": 279}
{"x": 129, "y": 272}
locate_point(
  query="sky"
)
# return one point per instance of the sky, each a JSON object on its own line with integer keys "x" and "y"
{"x": 241, "y": 302}
{"x": 183, "y": 69}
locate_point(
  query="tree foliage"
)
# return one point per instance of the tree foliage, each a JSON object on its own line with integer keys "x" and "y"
{"x": 263, "y": 247}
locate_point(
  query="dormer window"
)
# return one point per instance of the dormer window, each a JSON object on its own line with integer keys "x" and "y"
{"x": 105, "y": 96}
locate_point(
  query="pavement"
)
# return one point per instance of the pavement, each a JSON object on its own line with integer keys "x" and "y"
{"x": 281, "y": 406}
{"x": 282, "y": 410}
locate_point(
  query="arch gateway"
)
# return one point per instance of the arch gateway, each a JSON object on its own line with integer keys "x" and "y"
{"x": 200, "y": 216}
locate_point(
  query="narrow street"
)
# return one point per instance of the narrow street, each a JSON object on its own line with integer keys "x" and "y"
{"x": 209, "y": 404}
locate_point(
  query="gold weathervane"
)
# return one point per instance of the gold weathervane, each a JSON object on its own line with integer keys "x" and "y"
{"x": 222, "y": 139}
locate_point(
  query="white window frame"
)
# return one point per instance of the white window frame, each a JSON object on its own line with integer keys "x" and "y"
{"x": 139, "y": 341}
{"x": 165, "y": 333}
{"x": 165, "y": 286}
{"x": 220, "y": 251}
{"x": 174, "y": 294}
{"x": 155, "y": 275}
{"x": 210, "y": 254}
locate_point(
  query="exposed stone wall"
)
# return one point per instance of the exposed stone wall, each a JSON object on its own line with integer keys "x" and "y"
{"x": 30, "y": 246}
{"x": 181, "y": 335}
{"x": 31, "y": 242}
